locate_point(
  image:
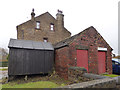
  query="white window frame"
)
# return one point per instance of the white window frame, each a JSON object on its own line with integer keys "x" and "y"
{"x": 102, "y": 49}
{"x": 52, "y": 27}
{"x": 37, "y": 24}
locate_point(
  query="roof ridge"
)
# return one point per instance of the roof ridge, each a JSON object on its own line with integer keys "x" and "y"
{"x": 70, "y": 39}
{"x": 35, "y": 17}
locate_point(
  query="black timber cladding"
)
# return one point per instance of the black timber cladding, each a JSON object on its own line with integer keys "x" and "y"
{"x": 30, "y": 57}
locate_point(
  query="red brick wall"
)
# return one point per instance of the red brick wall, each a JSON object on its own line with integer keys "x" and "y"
{"x": 89, "y": 39}
{"x": 92, "y": 40}
{"x": 62, "y": 61}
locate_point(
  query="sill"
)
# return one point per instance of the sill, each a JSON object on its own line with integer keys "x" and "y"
{"x": 37, "y": 29}
{"x": 52, "y": 30}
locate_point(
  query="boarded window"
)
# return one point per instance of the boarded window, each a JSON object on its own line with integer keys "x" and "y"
{"x": 37, "y": 24}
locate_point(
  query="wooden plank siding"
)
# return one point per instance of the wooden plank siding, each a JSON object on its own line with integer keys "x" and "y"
{"x": 30, "y": 61}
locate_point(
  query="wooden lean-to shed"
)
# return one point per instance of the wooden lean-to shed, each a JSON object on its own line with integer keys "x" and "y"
{"x": 30, "y": 57}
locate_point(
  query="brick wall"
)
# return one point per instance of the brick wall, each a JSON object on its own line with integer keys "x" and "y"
{"x": 75, "y": 74}
{"x": 61, "y": 62}
{"x": 89, "y": 40}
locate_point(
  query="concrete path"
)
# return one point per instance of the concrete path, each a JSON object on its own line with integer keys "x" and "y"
{"x": 3, "y": 73}
{"x": 117, "y": 80}
{"x": 3, "y": 67}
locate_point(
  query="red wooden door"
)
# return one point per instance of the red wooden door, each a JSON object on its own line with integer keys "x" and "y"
{"x": 82, "y": 58}
{"x": 101, "y": 62}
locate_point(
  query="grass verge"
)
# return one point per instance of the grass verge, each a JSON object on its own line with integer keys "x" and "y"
{"x": 4, "y": 69}
{"x": 111, "y": 75}
{"x": 39, "y": 84}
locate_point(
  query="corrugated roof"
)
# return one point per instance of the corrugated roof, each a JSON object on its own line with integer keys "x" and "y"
{"x": 28, "y": 44}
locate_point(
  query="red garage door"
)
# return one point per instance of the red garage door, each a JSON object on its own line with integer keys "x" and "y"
{"x": 82, "y": 58}
{"x": 101, "y": 62}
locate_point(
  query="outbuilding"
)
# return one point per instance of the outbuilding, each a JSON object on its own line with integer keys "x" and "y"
{"x": 86, "y": 49}
{"x": 30, "y": 57}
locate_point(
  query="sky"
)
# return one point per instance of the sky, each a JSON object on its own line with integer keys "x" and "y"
{"x": 78, "y": 15}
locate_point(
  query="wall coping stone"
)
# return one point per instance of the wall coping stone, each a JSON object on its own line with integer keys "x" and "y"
{"x": 94, "y": 76}
{"x": 117, "y": 80}
{"x": 77, "y": 68}
{"x": 93, "y": 83}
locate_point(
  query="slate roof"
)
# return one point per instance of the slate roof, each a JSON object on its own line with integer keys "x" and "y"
{"x": 68, "y": 40}
{"x": 65, "y": 42}
{"x": 28, "y": 44}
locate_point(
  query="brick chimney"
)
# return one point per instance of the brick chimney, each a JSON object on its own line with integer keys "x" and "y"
{"x": 32, "y": 14}
{"x": 60, "y": 20}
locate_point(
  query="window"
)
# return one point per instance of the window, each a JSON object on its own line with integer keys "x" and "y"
{"x": 113, "y": 62}
{"x": 37, "y": 24}
{"x": 45, "y": 39}
{"x": 116, "y": 63}
{"x": 52, "y": 27}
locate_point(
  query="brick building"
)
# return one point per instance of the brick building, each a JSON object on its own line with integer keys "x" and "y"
{"x": 44, "y": 28}
{"x": 86, "y": 49}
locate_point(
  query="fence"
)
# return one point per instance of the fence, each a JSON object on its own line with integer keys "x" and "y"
{"x": 4, "y": 64}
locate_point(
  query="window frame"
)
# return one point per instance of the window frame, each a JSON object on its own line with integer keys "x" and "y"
{"x": 51, "y": 27}
{"x": 37, "y": 25}
{"x": 45, "y": 39}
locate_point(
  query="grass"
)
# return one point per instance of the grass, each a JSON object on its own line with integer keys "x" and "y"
{"x": 111, "y": 75}
{"x": 4, "y": 69}
{"x": 35, "y": 81}
{"x": 39, "y": 84}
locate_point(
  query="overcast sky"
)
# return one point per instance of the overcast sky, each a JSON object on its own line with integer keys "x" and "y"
{"x": 78, "y": 15}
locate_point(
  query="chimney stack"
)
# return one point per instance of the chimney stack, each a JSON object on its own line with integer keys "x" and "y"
{"x": 60, "y": 19}
{"x": 32, "y": 14}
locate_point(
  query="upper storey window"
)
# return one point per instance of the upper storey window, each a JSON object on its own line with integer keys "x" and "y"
{"x": 37, "y": 24}
{"x": 52, "y": 27}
